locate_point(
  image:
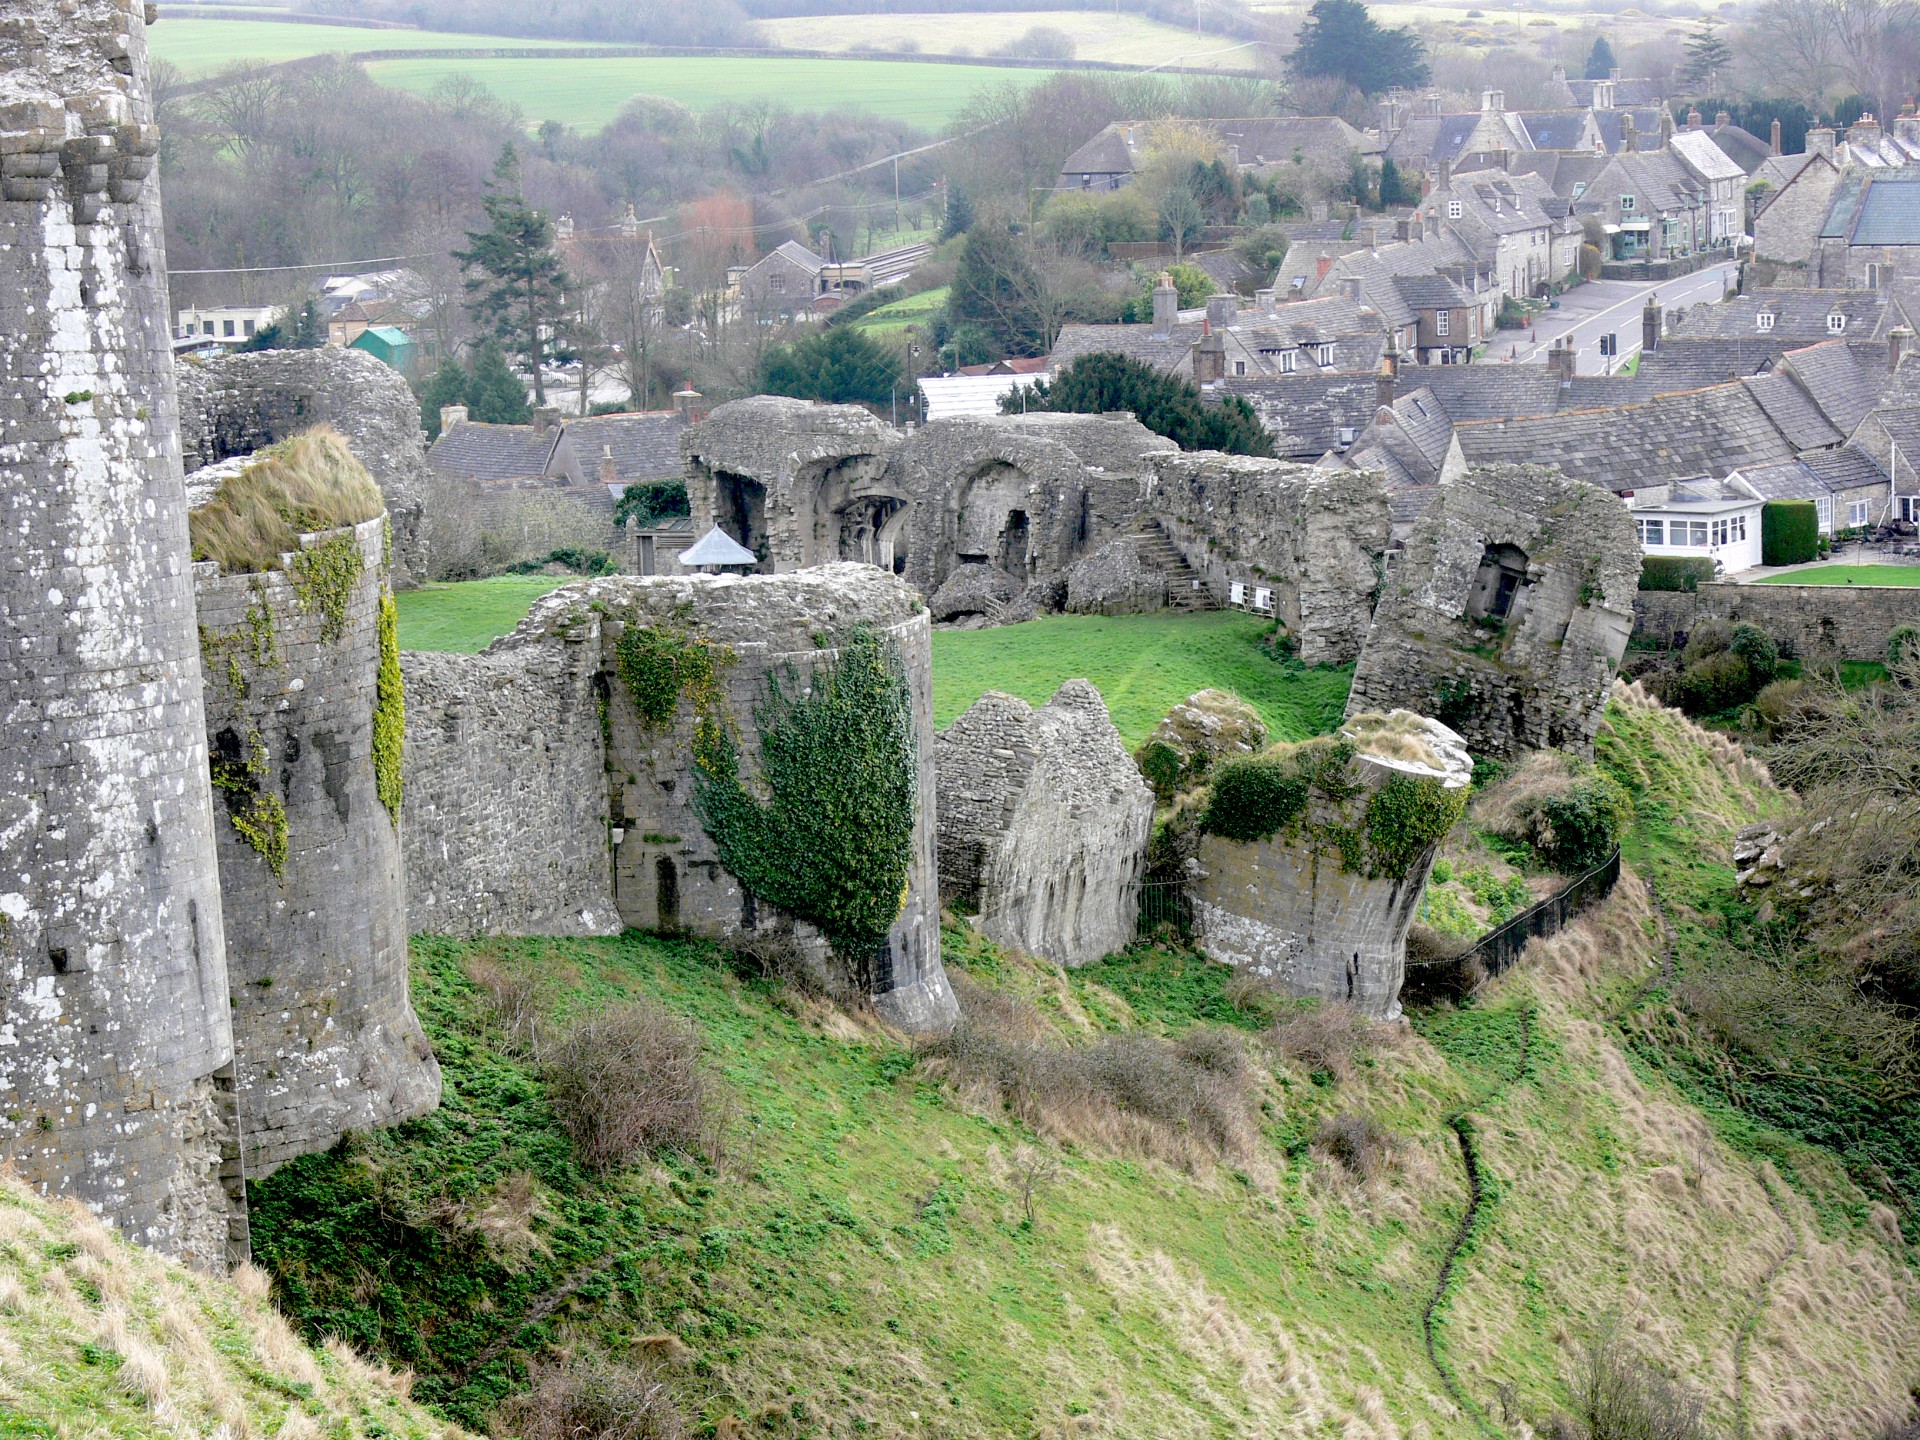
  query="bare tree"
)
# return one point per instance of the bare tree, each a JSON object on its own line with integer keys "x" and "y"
{"x": 1796, "y": 44}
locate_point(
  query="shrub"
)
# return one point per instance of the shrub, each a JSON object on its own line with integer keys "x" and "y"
{"x": 1758, "y": 649}
{"x": 1673, "y": 572}
{"x": 1585, "y": 825}
{"x": 1326, "y": 1039}
{"x": 591, "y": 1399}
{"x": 512, "y": 996}
{"x": 1619, "y": 1396}
{"x": 1789, "y": 532}
{"x": 1355, "y": 1142}
{"x": 1717, "y": 683}
{"x": 1775, "y": 704}
{"x": 1903, "y": 645}
{"x": 629, "y": 1080}
{"x": 579, "y": 559}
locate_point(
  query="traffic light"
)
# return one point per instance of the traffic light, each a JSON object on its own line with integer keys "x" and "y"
{"x": 1609, "y": 344}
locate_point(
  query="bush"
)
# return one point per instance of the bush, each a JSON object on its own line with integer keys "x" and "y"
{"x": 593, "y": 1400}
{"x": 1717, "y": 683}
{"x": 1758, "y": 649}
{"x": 651, "y": 501}
{"x": 1903, "y": 645}
{"x": 1619, "y": 1396}
{"x": 1326, "y": 1039}
{"x": 1789, "y": 532}
{"x": 1774, "y": 706}
{"x": 630, "y": 1080}
{"x": 1256, "y": 796}
{"x": 1672, "y": 572}
{"x": 1585, "y": 825}
{"x": 576, "y": 558}
{"x": 1355, "y": 1142}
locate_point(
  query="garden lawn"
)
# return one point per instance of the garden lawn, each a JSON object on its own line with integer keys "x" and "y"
{"x": 467, "y": 616}
{"x": 589, "y": 93}
{"x": 1142, "y": 665}
{"x": 1847, "y": 575}
{"x": 894, "y": 318}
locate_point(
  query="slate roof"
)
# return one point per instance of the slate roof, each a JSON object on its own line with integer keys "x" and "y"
{"x": 1890, "y": 214}
{"x": 1557, "y": 129}
{"x": 494, "y": 454}
{"x": 1136, "y": 342}
{"x": 1787, "y": 480}
{"x": 1668, "y": 438}
{"x": 1262, "y": 140}
{"x": 1626, "y": 91}
{"x": 1698, "y": 152}
{"x": 1430, "y": 292}
{"x": 800, "y": 255}
{"x": 1846, "y": 468}
{"x": 1841, "y": 383}
{"x": 1792, "y": 410}
{"x": 1799, "y": 316}
{"x": 1306, "y": 412}
{"x": 645, "y": 444}
{"x": 1658, "y": 182}
{"x": 1903, "y": 428}
{"x": 1105, "y": 154}
{"x": 1563, "y": 170}
{"x": 1226, "y": 267}
{"x": 1612, "y": 123}
{"x": 1743, "y": 147}
{"x": 1689, "y": 363}
{"x": 1485, "y": 392}
{"x": 1779, "y": 170}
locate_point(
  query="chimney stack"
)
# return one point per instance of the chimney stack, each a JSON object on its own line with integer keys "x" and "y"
{"x": 1694, "y": 119}
{"x": 1210, "y": 358}
{"x": 1350, "y": 287}
{"x": 1899, "y": 346}
{"x": 1444, "y": 181}
{"x": 1386, "y": 382}
{"x": 1776, "y": 137}
{"x": 687, "y": 401}
{"x": 1650, "y": 325}
{"x": 1722, "y": 119}
{"x": 1220, "y": 311}
{"x": 545, "y": 417}
{"x": 1264, "y": 299}
{"x": 1558, "y": 74}
{"x": 1166, "y": 304}
{"x": 1560, "y": 360}
{"x": 609, "y": 472}
{"x": 1666, "y": 125}
{"x": 1629, "y": 133}
{"x": 1820, "y": 141}
{"x": 452, "y": 415}
{"x": 1405, "y": 226}
{"x": 1320, "y": 268}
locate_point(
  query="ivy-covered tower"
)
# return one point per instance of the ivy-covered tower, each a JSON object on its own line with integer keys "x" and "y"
{"x": 113, "y": 985}
{"x": 305, "y": 723}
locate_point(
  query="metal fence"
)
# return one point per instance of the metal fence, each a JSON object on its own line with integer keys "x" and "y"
{"x": 1166, "y": 909}
{"x": 1496, "y": 951}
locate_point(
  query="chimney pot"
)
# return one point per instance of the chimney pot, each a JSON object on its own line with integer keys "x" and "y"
{"x": 1166, "y": 304}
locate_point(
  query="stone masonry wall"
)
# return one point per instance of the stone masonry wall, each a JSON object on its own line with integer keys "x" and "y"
{"x": 667, "y": 871}
{"x": 504, "y": 823}
{"x": 113, "y": 981}
{"x": 325, "y": 1038}
{"x": 1812, "y": 622}
{"x": 1043, "y": 823}
{"x": 1537, "y": 678}
{"x": 1288, "y": 910}
{"x": 240, "y": 403}
{"x": 1316, "y": 536}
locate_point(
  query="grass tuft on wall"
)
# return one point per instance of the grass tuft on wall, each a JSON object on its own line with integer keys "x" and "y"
{"x": 301, "y": 486}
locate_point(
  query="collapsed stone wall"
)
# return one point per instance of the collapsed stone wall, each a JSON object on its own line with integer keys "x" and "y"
{"x": 504, "y": 820}
{"x": 1508, "y": 611}
{"x": 237, "y": 404}
{"x": 113, "y": 976}
{"x": 298, "y": 726}
{"x": 1816, "y": 623}
{"x": 797, "y": 483}
{"x": 760, "y": 630}
{"x": 1317, "y": 537}
{"x": 1313, "y": 907}
{"x": 1043, "y": 824}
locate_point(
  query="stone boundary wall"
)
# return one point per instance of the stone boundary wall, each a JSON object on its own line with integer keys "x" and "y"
{"x": 1811, "y": 622}
{"x": 325, "y": 1038}
{"x": 504, "y": 824}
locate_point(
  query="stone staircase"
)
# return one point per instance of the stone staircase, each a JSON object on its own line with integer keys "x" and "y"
{"x": 1185, "y": 591}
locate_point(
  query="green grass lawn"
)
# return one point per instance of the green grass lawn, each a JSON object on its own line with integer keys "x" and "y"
{"x": 200, "y": 46}
{"x": 893, "y": 319}
{"x": 1847, "y": 575}
{"x": 1141, "y": 664}
{"x": 589, "y": 93}
{"x": 465, "y": 617}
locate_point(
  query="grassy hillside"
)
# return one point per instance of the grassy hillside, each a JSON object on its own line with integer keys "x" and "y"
{"x": 1087, "y": 1218}
{"x": 100, "y": 1338}
{"x": 1141, "y": 664}
{"x": 589, "y": 93}
{"x": 894, "y": 318}
{"x": 1096, "y": 35}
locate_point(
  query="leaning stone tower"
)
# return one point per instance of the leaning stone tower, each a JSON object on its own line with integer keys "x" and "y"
{"x": 113, "y": 983}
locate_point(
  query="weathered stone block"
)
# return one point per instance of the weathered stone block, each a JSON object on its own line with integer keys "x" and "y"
{"x": 1044, "y": 823}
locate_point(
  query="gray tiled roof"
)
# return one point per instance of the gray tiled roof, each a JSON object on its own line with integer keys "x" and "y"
{"x": 1684, "y": 363}
{"x": 1626, "y": 91}
{"x": 1799, "y": 316}
{"x": 645, "y": 445}
{"x": 1793, "y": 411}
{"x": 1485, "y": 392}
{"x": 1555, "y": 129}
{"x": 1306, "y": 413}
{"x": 1226, "y": 267}
{"x": 1841, "y": 384}
{"x": 1430, "y": 292}
{"x": 1743, "y": 147}
{"x": 1787, "y": 480}
{"x": 1646, "y": 125}
{"x": 1847, "y": 468}
{"x": 1668, "y": 438}
{"x": 1105, "y": 154}
{"x": 1137, "y": 342}
{"x": 493, "y": 454}
{"x": 1890, "y": 214}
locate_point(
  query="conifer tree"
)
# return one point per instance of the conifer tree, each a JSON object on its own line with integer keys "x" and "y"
{"x": 1708, "y": 57}
{"x": 1600, "y": 61}
{"x": 1341, "y": 39}
{"x": 515, "y": 285}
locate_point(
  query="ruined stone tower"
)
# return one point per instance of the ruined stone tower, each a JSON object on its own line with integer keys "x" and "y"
{"x": 113, "y": 983}
{"x": 305, "y": 721}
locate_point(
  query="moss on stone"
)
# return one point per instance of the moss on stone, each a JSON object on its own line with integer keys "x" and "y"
{"x": 323, "y": 578}
{"x": 389, "y": 711}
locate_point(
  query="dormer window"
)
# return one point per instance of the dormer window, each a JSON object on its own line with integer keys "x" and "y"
{"x": 1288, "y": 358}
{"x": 1836, "y": 323}
{"x": 1453, "y": 209}
{"x": 1627, "y": 202}
{"x": 1579, "y": 188}
{"x": 1764, "y": 320}
{"x": 1324, "y": 356}
{"x": 1346, "y": 434}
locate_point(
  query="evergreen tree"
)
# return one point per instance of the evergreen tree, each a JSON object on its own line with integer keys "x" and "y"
{"x": 997, "y": 290}
{"x": 1600, "y": 61}
{"x": 514, "y": 280}
{"x": 294, "y": 328}
{"x": 1395, "y": 187}
{"x": 1102, "y": 382}
{"x": 494, "y": 393}
{"x": 446, "y": 386}
{"x": 841, "y": 365}
{"x": 959, "y": 214}
{"x": 1341, "y": 39}
{"x": 1708, "y": 57}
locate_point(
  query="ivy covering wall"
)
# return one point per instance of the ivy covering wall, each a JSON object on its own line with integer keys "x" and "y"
{"x": 389, "y": 710}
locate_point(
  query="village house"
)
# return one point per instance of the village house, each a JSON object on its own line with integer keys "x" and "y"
{"x": 1509, "y": 221}
{"x": 1316, "y": 150}
{"x": 229, "y": 326}
{"x": 1725, "y": 182}
{"x": 791, "y": 281}
{"x": 1703, "y": 518}
{"x": 1650, "y": 206}
{"x": 1872, "y": 229}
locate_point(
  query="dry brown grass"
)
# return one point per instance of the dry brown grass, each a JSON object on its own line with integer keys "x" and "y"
{"x": 302, "y": 486}
{"x": 514, "y": 998}
{"x": 1328, "y": 1038}
{"x": 1400, "y": 736}
{"x": 631, "y": 1079}
{"x": 593, "y": 1399}
{"x": 1724, "y": 750}
{"x": 1188, "y": 1102}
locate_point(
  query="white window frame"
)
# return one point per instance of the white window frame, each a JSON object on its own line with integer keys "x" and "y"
{"x": 1453, "y": 210}
{"x": 776, "y": 282}
{"x": 1442, "y": 322}
{"x": 1323, "y": 356}
{"x": 1857, "y": 513}
{"x": 1764, "y": 320}
{"x": 1823, "y": 508}
{"x": 1836, "y": 323}
{"x": 1288, "y": 360}
{"x": 1653, "y": 531}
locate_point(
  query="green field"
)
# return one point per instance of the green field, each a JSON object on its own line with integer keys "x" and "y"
{"x": 913, "y": 310}
{"x": 201, "y": 46}
{"x": 466, "y": 616}
{"x": 589, "y": 93}
{"x": 1142, "y": 666}
{"x": 1847, "y": 575}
